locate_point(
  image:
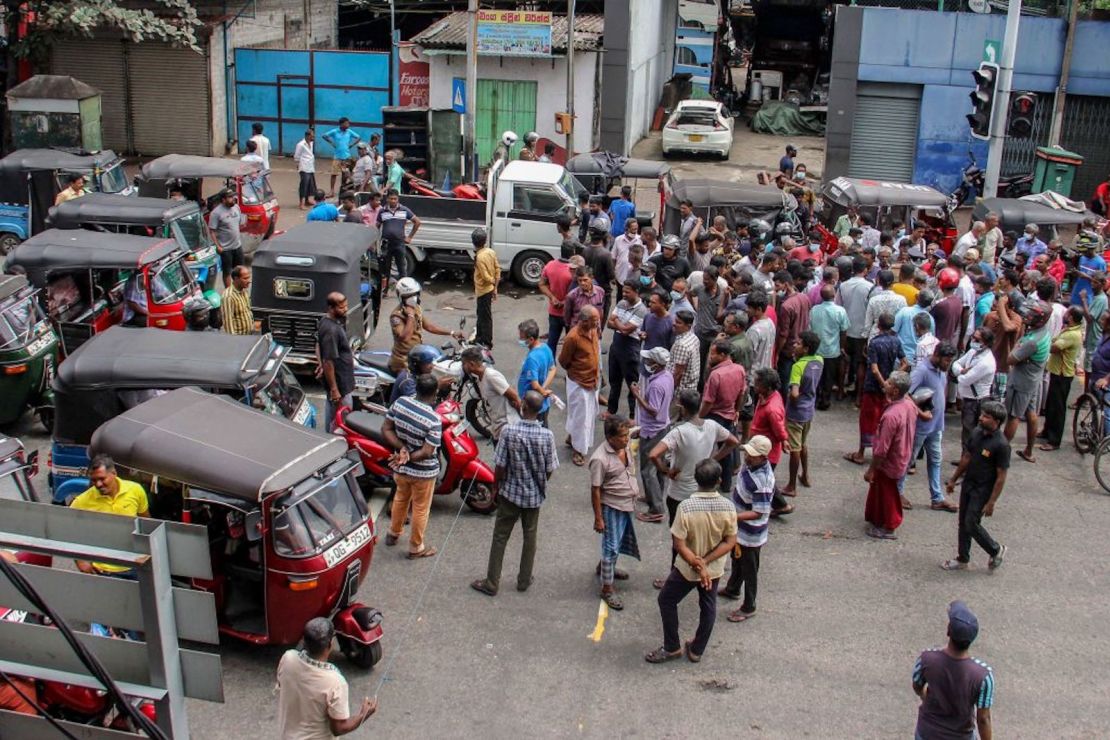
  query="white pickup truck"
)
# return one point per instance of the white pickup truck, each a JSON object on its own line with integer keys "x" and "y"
{"x": 524, "y": 201}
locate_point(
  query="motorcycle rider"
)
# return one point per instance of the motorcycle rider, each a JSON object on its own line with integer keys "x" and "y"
{"x": 421, "y": 361}
{"x": 198, "y": 314}
{"x": 408, "y": 324}
{"x": 500, "y": 397}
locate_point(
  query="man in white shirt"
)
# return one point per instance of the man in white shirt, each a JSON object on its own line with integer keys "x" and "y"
{"x": 974, "y": 373}
{"x": 970, "y": 239}
{"x": 363, "y": 173}
{"x": 305, "y": 156}
{"x": 991, "y": 247}
{"x": 501, "y": 399}
{"x": 261, "y": 143}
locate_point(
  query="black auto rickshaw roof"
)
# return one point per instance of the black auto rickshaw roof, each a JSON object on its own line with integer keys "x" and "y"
{"x": 94, "y": 208}
{"x": 24, "y": 160}
{"x": 125, "y": 357}
{"x": 10, "y": 285}
{"x": 848, "y": 191}
{"x": 55, "y": 249}
{"x": 703, "y": 193}
{"x": 333, "y": 246}
{"x": 214, "y": 443}
{"x": 1015, "y": 213}
{"x": 185, "y": 166}
{"x": 609, "y": 164}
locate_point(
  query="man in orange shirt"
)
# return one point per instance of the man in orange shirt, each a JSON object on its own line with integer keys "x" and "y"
{"x": 580, "y": 357}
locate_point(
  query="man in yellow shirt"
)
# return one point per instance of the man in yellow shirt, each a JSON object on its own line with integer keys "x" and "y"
{"x": 1061, "y": 371}
{"x": 236, "y": 307}
{"x": 487, "y": 274}
{"x": 905, "y": 287}
{"x": 75, "y": 190}
{"x": 110, "y": 494}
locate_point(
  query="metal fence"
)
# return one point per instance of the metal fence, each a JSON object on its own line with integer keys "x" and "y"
{"x": 1042, "y": 8}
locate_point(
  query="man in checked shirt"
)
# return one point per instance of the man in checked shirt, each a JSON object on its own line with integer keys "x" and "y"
{"x": 525, "y": 460}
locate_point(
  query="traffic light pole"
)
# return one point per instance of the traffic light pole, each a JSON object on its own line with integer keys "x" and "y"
{"x": 1002, "y": 99}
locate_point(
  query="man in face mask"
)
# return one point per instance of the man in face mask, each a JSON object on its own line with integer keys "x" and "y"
{"x": 679, "y": 299}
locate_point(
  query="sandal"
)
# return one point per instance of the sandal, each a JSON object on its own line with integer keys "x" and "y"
{"x": 1046, "y": 447}
{"x": 578, "y": 459}
{"x": 612, "y": 600}
{"x": 1025, "y": 456}
{"x": 740, "y": 616}
{"x": 690, "y": 655}
{"x": 649, "y": 517}
{"x": 660, "y": 655}
{"x": 851, "y": 457}
{"x": 658, "y": 583}
{"x": 953, "y": 565}
{"x": 427, "y": 552}
{"x": 391, "y": 539}
{"x": 484, "y": 586}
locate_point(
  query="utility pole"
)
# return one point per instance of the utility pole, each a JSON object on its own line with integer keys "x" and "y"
{"x": 1054, "y": 131}
{"x": 570, "y": 77}
{"x": 1002, "y": 99}
{"x": 469, "y": 139}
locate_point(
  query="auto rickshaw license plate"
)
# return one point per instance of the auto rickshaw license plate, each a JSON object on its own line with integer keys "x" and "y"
{"x": 39, "y": 345}
{"x": 340, "y": 550}
{"x": 695, "y": 137}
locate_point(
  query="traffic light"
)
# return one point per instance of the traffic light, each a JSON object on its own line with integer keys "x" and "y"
{"x": 982, "y": 100}
{"x": 1022, "y": 107}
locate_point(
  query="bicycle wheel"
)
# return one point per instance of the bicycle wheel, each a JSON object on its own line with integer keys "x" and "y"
{"x": 1086, "y": 425}
{"x": 1102, "y": 464}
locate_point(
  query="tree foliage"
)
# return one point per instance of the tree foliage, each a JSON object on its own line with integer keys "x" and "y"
{"x": 174, "y": 21}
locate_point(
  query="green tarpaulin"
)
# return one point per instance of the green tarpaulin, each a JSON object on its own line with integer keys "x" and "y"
{"x": 784, "y": 119}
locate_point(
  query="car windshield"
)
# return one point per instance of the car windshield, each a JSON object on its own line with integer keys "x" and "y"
{"x": 113, "y": 179}
{"x": 256, "y": 190}
{"x": 171, "y": 282}
{"x": 190, "y": 232}
{"x": 304, "y": 526}
{"x": 283, "y": 396}
{"x": 18, "y": 320}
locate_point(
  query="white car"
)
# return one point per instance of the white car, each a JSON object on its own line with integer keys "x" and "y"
{"x": 698, "y": 126}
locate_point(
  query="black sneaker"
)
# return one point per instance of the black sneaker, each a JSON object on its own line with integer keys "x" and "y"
{"x": 996, "y": 561}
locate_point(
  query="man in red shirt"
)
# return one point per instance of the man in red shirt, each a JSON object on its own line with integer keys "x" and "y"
{"x": 724, "y": 396}
{"x": 555, "y": 281}
{"x": 770, "y": 421}
{"x": 793, "y": 319}
{"x": 891, "y": 453}
{"x": 1100, "y": 204}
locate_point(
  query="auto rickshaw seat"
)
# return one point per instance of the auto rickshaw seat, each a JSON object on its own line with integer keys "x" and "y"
{"x": 376, "y": 360}
{"x": 366, "y": 424}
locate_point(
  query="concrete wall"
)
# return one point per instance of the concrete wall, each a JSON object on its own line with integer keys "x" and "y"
{"x": 939, "y": 51}
{"x": 639, "y": 53}
{"x": 277, "y": 24}
{"x": 550, "y": 76}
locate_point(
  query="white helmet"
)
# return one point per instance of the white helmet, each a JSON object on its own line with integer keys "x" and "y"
{"x": 407, "y": 287}
{"x": 508, "y": 138}
{"x": 531, "y": 137}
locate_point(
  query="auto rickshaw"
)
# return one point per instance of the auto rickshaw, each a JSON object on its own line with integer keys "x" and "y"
{"x": 1015, "y": 213}
{"x": 601, "y": 172}
{"x": 84, "y": 278}
{"x": 291, "y": 538}
{"x": 123, "y": 367}
{"x": 739, "y": 203}
{"x": 186, "y": 172}
{"x": 30, "y": 179}
{"x": 292, "y": 275}
{"x": 28, "y": 353}
{"x": 17, "y": 468}
{"x": 181, "y": 221}
{"x": 887, "y": 202}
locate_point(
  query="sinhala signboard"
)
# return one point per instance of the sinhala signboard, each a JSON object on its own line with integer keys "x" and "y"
{"x": 514, "y": 33}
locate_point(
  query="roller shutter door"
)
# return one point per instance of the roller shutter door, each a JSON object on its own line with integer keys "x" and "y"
{"x": 169, "y": 94}
{"x": 100, "y": 64}
{"x": 884, "y": 132}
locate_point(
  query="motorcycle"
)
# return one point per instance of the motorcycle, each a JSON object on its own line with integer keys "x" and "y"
{"x": 461, "y": 468}
{"x": 973, "y": 180}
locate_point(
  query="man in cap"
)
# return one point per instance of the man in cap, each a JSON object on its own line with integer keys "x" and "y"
{"x": 653, "y": 416}
{"x": 751, "y": 495}
{"x": 956, "y": 690}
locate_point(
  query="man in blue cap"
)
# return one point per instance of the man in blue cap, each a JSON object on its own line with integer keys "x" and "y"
{"x": 956, "y": 689}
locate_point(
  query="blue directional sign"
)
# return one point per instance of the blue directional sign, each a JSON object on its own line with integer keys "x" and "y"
{"x": 458, "y": 95}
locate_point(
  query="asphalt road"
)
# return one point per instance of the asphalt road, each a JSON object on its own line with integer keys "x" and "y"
{"x": 841, "y": 617}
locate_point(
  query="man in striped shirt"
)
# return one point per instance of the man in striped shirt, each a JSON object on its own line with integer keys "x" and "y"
{"x": 956, "y": 690}
{"x": 238, "y": 318}
{"x": 412, "y": 427}
{"x": 751, "y": 495}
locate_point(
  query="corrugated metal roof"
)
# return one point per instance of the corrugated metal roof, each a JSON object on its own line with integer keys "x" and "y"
{"x": 450, "y": 32}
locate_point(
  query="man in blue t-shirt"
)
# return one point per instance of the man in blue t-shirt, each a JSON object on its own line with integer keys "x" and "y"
{"x": 786, "y": 164}
{"x": 538, "y": 370}
{"x": 620, "y": 211}
{"x": 322, "y": 211}
{"x": 1090, "y": 262}
{"x": 342, "y": 139}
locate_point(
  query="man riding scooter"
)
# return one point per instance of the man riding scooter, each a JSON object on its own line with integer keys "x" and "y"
{"x": 421, "y": 361}
{"x": 198, "y": 315}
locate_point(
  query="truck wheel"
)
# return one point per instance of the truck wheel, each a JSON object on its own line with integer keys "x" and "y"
{"x": 527, "y": 268}
{"x": 8, "y": 242}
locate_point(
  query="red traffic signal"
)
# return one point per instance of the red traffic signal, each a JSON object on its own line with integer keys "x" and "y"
{"x": 1023, "y": 106}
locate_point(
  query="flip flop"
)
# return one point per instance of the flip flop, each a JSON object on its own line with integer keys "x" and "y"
{"x": 660, "y": 655}
{"x": 658, "y": 583}
{"x": 740, "y": 616}
{"x": 648, "y": 517}
{"x": 427, "y": 552}
{"x": 1025, "y": 457}
{"x": 483, "y": 586}
{"x": 1047, "y": 447}
{"x": 613, "y": 601}
{"x": 578, "y": 459}
{"x": 850, "y": 457}
{"x": 953, "y": 565}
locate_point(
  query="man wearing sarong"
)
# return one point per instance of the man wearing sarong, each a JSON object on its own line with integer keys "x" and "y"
{"x": 890, "y": 457}
{"x": 580, "y": 357}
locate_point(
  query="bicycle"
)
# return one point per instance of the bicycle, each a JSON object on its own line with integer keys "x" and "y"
{"x": 1087, "y": 428}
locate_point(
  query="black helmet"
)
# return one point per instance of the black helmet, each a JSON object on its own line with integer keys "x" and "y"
{"x": 195, "y": 308}
{"x": 600, "y": 226}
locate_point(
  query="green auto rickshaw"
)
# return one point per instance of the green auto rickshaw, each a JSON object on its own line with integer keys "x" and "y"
{"x": 28, "y": 353}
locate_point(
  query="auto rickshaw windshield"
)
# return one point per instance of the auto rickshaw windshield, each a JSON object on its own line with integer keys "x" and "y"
{"x": 569, "y": 183}
{"x": 18, "y": 320}
{"x": 283, "y": 395}
{"x": 305, "y": 525}
{"x": 190, "y": 231}
{"x": 256, "y": 190}
{"x": 171, "y": 282}
{"x": 112, "y": 180}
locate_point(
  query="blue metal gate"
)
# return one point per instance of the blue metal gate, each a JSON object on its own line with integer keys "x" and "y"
{"x": 288, "y": 91}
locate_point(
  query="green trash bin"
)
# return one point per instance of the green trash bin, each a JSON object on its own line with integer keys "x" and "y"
{"x": 1055, "y": 170}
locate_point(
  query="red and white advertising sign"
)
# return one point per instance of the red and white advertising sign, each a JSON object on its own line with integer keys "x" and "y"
{"x": 414, "y": 75}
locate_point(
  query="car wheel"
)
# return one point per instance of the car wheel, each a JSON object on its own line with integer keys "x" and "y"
{"x": 8, "y": 242}
{"x": 528, "y": 267}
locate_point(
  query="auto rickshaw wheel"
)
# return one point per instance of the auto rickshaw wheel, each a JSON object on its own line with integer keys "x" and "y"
{"x": 8, "y": 242}
{"x": 480, "y": 498}
{"x": 46, "y": 418}
{"x": 363, "y": 656}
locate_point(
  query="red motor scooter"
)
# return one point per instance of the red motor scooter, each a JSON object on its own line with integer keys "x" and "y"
{"x": 461, "y": 467}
